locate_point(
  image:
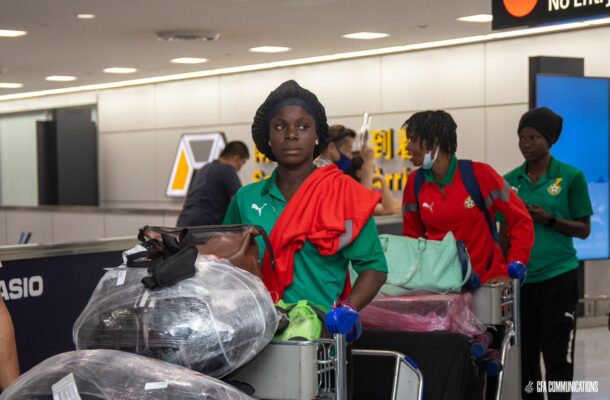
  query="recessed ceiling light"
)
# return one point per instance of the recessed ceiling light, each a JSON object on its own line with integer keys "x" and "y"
{"x": 476, "y": 18}
{"x": 60, "y": 78}
{"x": 188, "y": 35}
{"x": 85, "y": 16}
{"x": 7, "y": 85}
{"x": 8, "y": 33}
{"x": 366, "y": 35}
{"x": 120, "y": 70}
{"x": 269, "y": 49}
{"x": 189, "y": 60}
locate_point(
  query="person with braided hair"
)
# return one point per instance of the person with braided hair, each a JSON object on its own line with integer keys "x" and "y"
{"x": 462, "y": 197}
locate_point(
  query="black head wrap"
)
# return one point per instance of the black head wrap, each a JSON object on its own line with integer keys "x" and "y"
{"x": 288, "y": 93}
{"x": 544, "y": 121}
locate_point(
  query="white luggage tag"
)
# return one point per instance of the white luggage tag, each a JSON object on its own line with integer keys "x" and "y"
{"x": 65, "y": 389}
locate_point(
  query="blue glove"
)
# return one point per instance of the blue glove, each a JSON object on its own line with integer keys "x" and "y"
{"x": 517, "y": 270}
{"x": 345, "y": 320}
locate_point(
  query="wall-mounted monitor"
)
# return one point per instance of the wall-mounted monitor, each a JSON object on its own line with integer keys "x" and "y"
{"x": 584, "y": 104}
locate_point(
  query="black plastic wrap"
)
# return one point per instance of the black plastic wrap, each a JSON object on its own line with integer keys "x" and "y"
{"x": 213, "y": 322}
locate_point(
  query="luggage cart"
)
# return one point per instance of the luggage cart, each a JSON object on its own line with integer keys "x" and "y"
{"x": 498, "y": 305}
{"x": 408, "y": 381}
{"x": 307, "y": 370}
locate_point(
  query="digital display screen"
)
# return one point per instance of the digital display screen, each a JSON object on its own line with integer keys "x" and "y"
{"x": 584, "y": 105}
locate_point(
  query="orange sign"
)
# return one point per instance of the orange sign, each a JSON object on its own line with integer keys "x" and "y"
{"x": 519, "y": 8}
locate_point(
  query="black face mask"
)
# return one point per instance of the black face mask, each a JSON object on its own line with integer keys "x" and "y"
{"x": 344, "y": 162}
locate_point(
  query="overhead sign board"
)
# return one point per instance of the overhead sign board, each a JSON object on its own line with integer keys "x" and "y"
{"x": 520, "y": 13}
{"x": 194, "y": 151}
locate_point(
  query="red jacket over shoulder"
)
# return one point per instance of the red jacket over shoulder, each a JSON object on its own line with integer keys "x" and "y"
{"x": 329, "y": 210}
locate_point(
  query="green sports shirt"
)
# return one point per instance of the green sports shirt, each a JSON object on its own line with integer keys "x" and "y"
{"x": 319, "y": 279}
{"x": 563, "y": 192}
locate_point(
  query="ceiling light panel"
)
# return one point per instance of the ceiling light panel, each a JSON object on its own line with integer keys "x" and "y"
{"x": 8, "y": 85}
{"x": 269, "y": 49}
{"x": 85, "y": 16}
{"x": 189, "y": 60}
{"x": 476, "y": 18}
{"x": 120, "y": 70}
{"x": 366, "y": 35}
{"x": 60, "y": 78}
{"x": 9, "y": 33}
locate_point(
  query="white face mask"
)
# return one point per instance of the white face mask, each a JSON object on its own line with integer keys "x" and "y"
{"x": 429, "y": 160}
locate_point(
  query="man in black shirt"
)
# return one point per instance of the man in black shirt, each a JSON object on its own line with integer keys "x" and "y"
{"x": 213, "y": 187}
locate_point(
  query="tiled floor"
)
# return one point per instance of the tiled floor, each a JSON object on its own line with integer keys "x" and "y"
{"x": 592, "y": 361}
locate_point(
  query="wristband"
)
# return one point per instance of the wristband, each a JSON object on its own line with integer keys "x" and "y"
{"x": 551, "y": 222}
{"x": 346, "y": 304}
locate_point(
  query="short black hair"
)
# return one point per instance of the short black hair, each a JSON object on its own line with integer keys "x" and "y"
{"x": 433, "y": 127}
{"x": 236, "y": 148}
{"x": 338, "y": 134}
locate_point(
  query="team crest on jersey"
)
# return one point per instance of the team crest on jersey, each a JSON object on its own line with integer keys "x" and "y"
{"x": 555, "y": 188}
{"x": 469, "y": 202}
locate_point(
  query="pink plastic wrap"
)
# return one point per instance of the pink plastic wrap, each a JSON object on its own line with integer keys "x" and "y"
{"x": 423, "y": 313}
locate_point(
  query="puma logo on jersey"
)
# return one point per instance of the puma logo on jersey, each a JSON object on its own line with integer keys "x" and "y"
{"x": 429, "y": 206}
{"x": 259, "y": 209}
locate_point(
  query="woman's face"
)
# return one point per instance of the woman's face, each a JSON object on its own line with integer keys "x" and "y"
{"x": 532, "y": 144}
{"x": 292, "y": 135}
{"x": 417, "y": 149}
{"x": 342, "y": 147}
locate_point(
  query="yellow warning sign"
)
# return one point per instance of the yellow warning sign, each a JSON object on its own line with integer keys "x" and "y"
{"x": 194, "y": 151}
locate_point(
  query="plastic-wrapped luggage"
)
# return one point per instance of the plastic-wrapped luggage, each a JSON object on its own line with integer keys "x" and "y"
{"x": 115, "y": 375}
{"x": 423, "y": 313}
{"x": 212, "y": 323}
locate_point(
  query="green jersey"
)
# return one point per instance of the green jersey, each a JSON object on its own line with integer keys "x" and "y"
{"x": 319, "y": 279}
{"x": 563, "y": 192}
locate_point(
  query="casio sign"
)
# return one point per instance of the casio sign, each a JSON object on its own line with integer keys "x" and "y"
{"x": 20, "y": 288}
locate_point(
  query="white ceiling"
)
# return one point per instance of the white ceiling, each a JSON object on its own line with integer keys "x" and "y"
{"x": 123, "y": 33}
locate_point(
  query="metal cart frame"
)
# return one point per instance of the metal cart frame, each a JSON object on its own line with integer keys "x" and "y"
{"x": 408, "y": 381}
{"x": 503, "y": 309}
{"x": 307, "y": 370}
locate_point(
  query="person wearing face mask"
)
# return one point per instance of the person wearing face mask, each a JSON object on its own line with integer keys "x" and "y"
{"x": 338, "y": 149}
{"x": 443, "y": 203}
{"x": 362, "y": 169}
{"x": 557, "y": 198}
